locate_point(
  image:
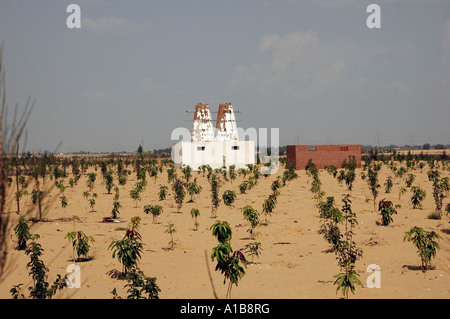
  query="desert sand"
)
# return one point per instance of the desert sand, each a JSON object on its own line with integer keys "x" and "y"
{"x": 295, "y": 260}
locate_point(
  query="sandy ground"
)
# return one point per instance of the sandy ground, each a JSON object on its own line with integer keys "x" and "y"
{"x": 294, "y": 262}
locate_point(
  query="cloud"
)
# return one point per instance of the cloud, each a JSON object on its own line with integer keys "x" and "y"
{"x": 109, "y": 25}
{"x": 298, "y": 64}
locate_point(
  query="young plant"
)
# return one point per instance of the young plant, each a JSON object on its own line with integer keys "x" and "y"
{"x": 400, "y": 172}
{"x": 109, "y": 181}
{"x": 410, "y": 179}
{"x": 41, "y": 289}
{"x": 123, "y": 176}
{"x": 289, "y": 174}
{"x": 63, "y": 201}
{"x": 243, "y": 187}
{"x": 91, "y": 177}
{"x": 331, "y": 169}
{"x": 253, "y": 249}
{"x": 388, "y": 185}
{"x": 427, "y": 244}
{"x": 129, "y": 248}
{"x": 349, "y": 175}
{"x": 269, "y": 205}
{"x": 36, "y": 197}
{"x": 193, "y": 189}
{"x": 135, "y": 193}
{"x": 155, "y": 210}
{"x": 171, "y": 230}
{"x": 373, "y": 184}
{"x": 179, "y": 193}
{"x": 22, "y": 232}
{"x": 72, "y": 183}
{"x": 162, "y": 192}
{"x": 441, "y": 187}
{"x": 80, "y": 244}
{"x": 195, "y": 213}
{"x": 222, "y": 231}
{"x": 347, "y": 253}
{"x": 401, "y": 192}
{"x": 171, "y": 174}
{"x": 251, "y": 215}
{"x": 433, "y": 175}
{"x": 63, "y": 198}
{"x": 417, "y": 197}
{"x": 386, "y": 209}
{"x": 229, "y": 197}
{"x": 232, "y": 172}
{"x": 92, "y": 201}
{"x": 331, "y": 217}
{"x": 115, "y": 211}
{"x": 231, "y": 264}
{"x": 215, "y": 200}
{"x": 139, "y": 285}
{"x": 275, "y": 185}
{"x": 153, "y": 172}
{"x": 187, "y": 172}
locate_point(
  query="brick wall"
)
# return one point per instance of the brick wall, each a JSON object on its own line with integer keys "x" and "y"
{"x": 322, "y": 155}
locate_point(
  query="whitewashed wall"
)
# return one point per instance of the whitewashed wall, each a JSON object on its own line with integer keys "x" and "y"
{"x": 215, "y": 153}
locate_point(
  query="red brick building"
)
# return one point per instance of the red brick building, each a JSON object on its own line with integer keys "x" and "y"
{"x": 322, "y": 155}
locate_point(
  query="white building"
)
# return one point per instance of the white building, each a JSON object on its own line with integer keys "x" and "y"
{"x": 219, "y": 149}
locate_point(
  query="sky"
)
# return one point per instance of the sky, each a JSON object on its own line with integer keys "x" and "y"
{"x": 312, "y": 68}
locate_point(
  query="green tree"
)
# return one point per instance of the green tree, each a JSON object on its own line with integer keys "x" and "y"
{"x": 171, "y": 230}
{"x": 215, "y": 200}
{"x": 347, "y": 252}
{"x": 373, "y": 184}
{"x": 251, "y": 215}
{"x": 162, "y": 192}
{"x": 331, "y": 217}
{"x": 229, "y": 197}
{"x": 441, "y": 187}
{"x": 179, "y": 193}
{"x": 386, "y": 209}
{"x": 195, "y": 213}
{"x": 128, "y": 249}
{"x": 91, "y": 177}
{"x": 139, "y": 286}
{"x": 269, "y": 205}
{"x": 22, "y": 232}
{"x": 417, "y": 197}
{"x": 109, "y": 181}
{"x": 41, "y": 289}
{"x": 230, "y": 263}
{"x": 80, "y": 243}
{"x": 388, "y": 185}
{"x": 193, "y": 189}
{"x": 155, "y": 210}
{"x": 427, "y": 244}
{"x": 187, "y": 171}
